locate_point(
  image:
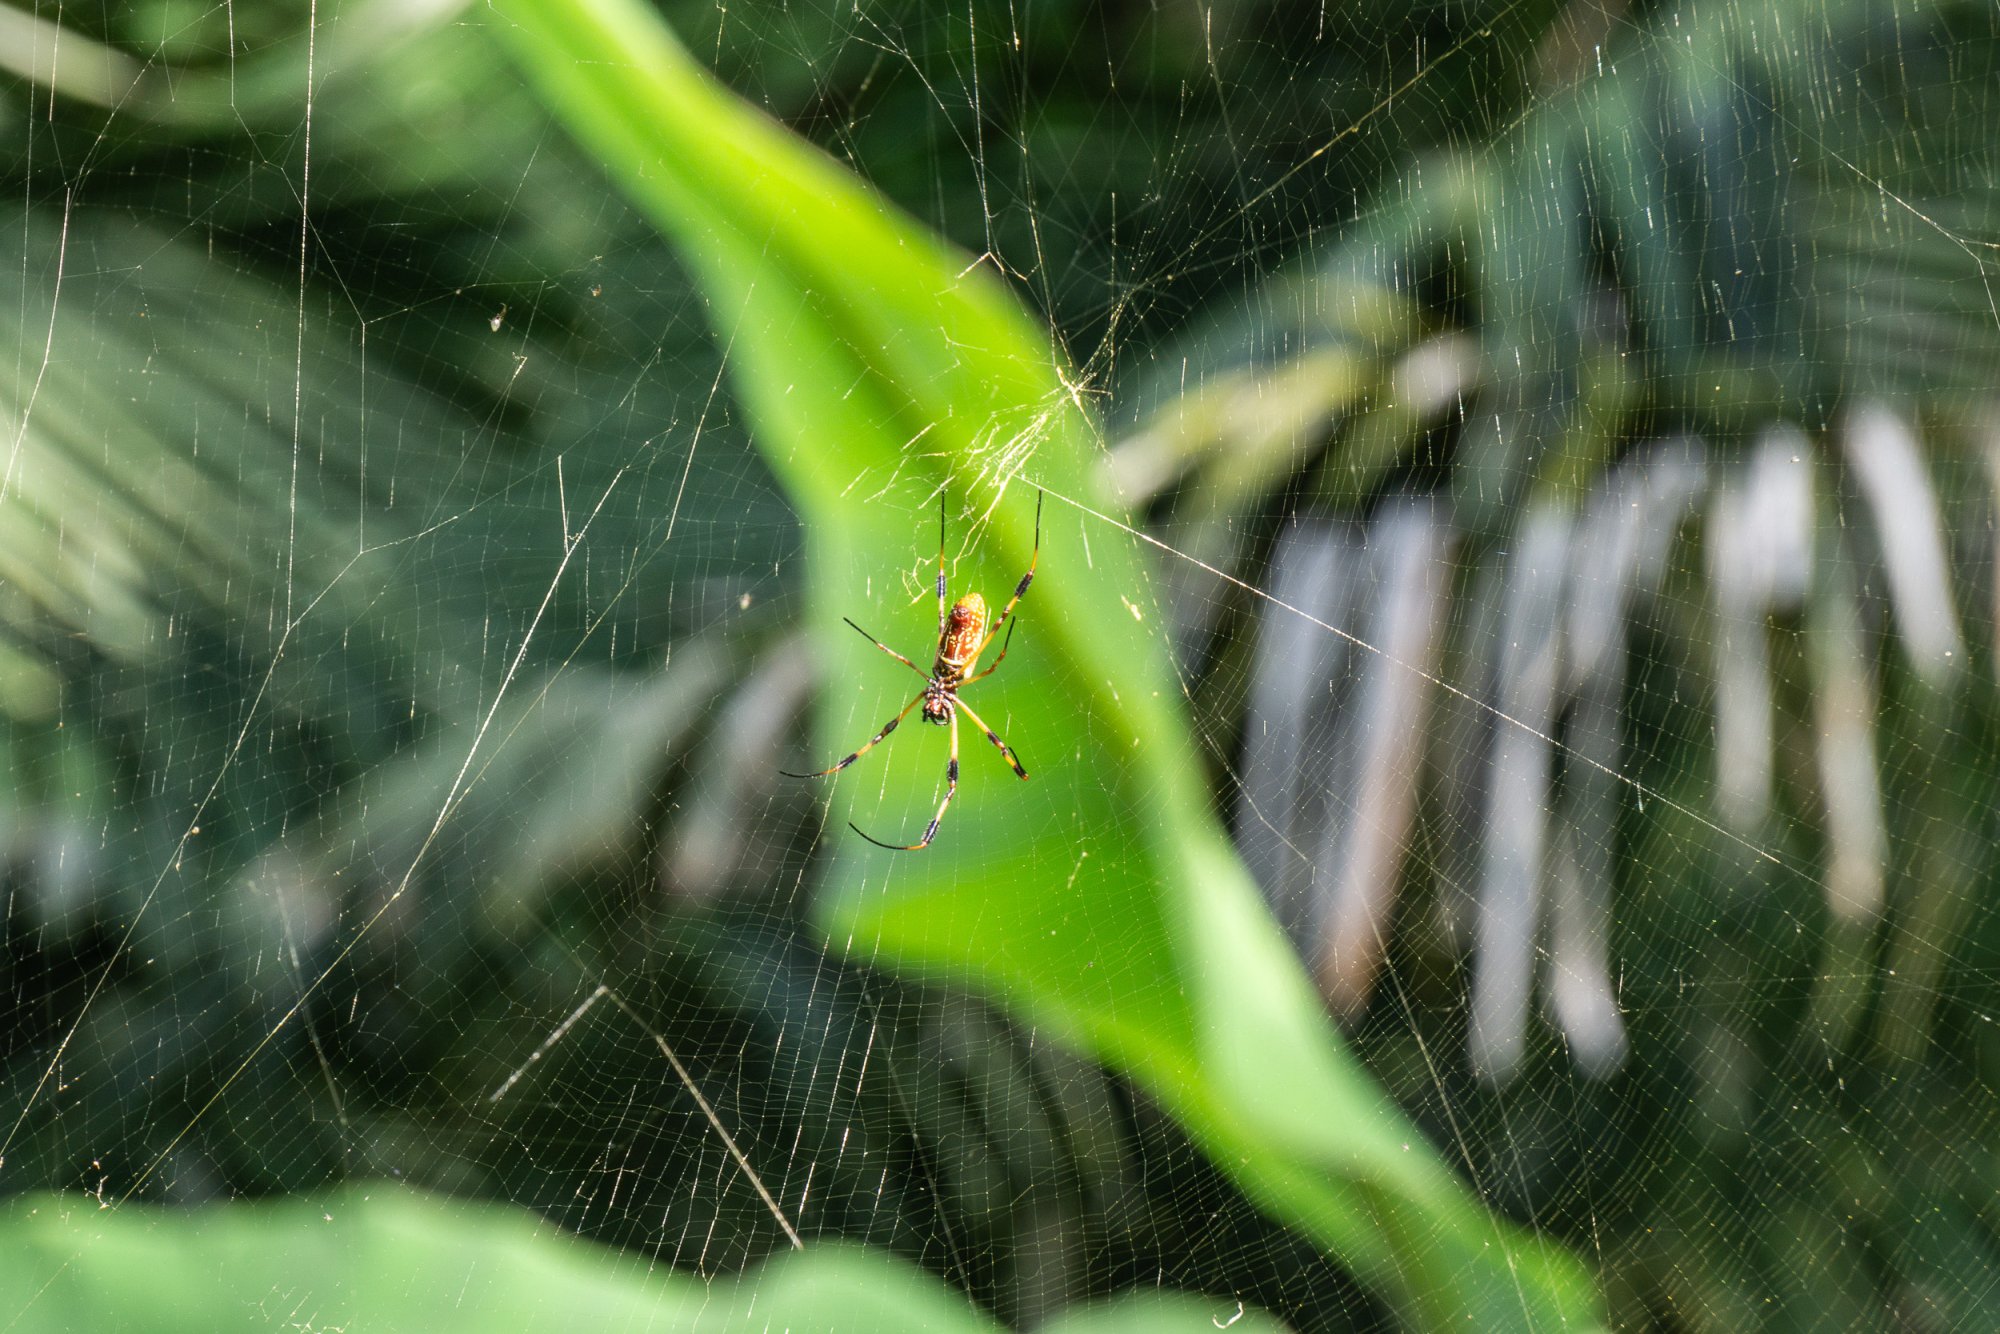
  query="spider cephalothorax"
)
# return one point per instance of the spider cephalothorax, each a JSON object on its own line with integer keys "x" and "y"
{"x": 963, "y": 634}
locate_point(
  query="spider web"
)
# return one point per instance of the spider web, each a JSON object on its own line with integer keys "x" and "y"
{"x": 1561, "y": 445}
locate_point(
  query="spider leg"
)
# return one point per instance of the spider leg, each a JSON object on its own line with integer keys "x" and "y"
{"x": 995, "y": 663}
{"x": 873, "y": 741}
{"x": 993, "y": 631}
{"x": 950, "y": 791}
{"x": 1006, "y": 751}
{"x": 891, "y": 652}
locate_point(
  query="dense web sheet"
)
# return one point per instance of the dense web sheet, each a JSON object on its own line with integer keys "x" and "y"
{"x": 1559, "y": 451}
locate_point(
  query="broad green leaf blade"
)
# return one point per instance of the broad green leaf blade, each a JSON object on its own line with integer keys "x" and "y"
{"x": 1145, "y": 1312}
{"x": 1100, "y": 900}
{"x": 384, "y": 1259}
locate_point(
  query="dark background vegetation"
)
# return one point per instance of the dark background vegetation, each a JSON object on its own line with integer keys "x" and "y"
{"x": 1635, "y": 225}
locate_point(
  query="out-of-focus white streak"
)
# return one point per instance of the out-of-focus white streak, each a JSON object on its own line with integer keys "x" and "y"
{"x": 65, "y": 61}
{"x": 1759, "y": 543}
{"x": 1621, "y": 553}
{"x": 1296, "y": 673}
{"x": 1517, "y": 798}
{"x": 1844, "y": 711}
{"x": 1365, "y": 840}
{"x": 1883, "y": 454}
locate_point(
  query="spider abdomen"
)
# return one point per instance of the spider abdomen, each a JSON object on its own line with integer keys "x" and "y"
{"x": 964, "y": 629}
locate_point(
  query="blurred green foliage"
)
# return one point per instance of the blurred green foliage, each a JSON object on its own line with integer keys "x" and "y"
{"x": 320, "y": 481}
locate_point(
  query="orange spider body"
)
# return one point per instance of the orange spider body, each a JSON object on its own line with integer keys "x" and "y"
{"x": 964, "y": 635}
{"x": 960, "y": 643}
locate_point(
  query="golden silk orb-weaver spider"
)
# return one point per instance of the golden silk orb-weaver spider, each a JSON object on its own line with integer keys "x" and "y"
{"x": 963, "y": 634}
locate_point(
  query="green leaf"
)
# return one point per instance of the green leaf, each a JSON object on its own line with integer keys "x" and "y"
{"x": 1101, "y": 900}
{"x": 382, "y": 1258}
{"x": 1144, "y": 1312}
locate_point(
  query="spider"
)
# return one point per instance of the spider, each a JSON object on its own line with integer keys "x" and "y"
{"x": 963, "y": 634}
